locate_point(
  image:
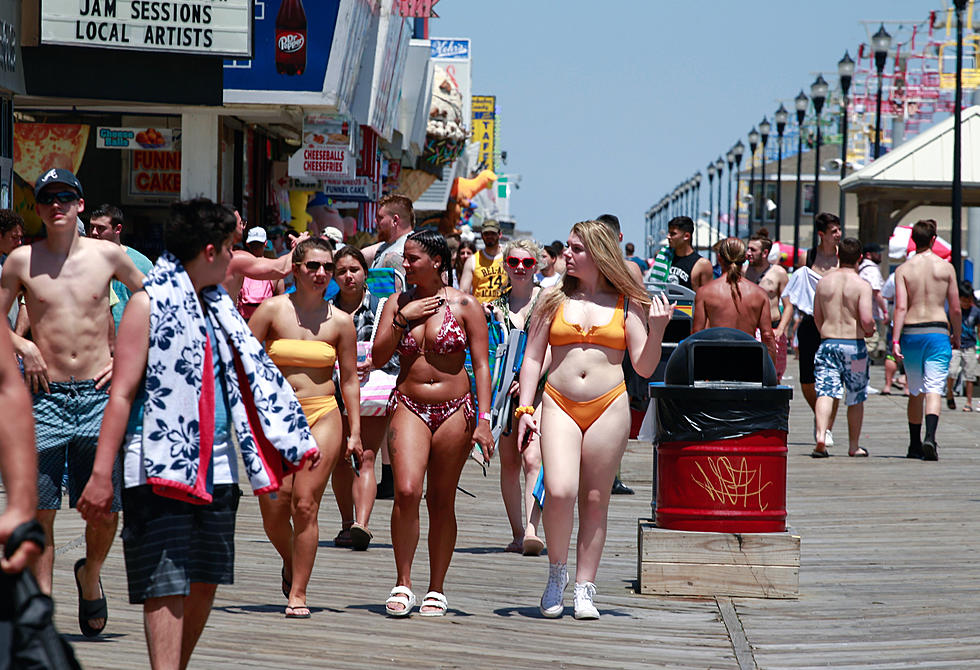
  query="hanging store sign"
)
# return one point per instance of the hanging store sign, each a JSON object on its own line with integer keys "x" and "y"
{"x": 138, "y": 139}
{"x": 153, "y": 177}
{"x": 419, "y": 9}
{"x": 484, "y": 110}
{"x": 220, "y": 28}
{"x": 325, "y": 152}
{"x": 450, "y": 49}
{"x": 354, "y": 189}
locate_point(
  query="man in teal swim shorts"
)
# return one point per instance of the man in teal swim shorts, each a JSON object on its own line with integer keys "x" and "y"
{"x": 923, "y": 337}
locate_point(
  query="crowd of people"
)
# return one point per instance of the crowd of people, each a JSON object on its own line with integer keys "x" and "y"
{"x": 147, "y": 378}
{"x": 311, "y": 362}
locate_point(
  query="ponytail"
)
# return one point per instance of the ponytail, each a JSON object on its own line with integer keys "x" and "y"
{"x": 731, "y": 253}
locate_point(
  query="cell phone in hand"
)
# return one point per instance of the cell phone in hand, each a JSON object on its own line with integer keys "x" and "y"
{"x": 355, "y": 465}
{"x": 527, "y": 439}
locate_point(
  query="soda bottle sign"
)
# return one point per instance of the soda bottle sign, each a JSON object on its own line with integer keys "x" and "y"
{"x": 291, "y": 38}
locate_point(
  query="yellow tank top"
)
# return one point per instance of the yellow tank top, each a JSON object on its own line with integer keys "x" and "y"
{"x": 488, "y": 277}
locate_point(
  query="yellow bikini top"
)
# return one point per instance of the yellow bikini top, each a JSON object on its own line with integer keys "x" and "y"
{"x": 611, "y": 335}
{"x": 301, "y": 353}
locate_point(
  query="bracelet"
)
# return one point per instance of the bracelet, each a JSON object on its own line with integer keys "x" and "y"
{"x": 401, "y": 326}
{"x": 484, "y": 416}
{"x": 523, "y": 409}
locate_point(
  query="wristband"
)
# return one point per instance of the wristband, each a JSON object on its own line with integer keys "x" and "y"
{"x": 484, "y": 416}
{"x": 402, "y": 326}
{"x": 523, "y": 409}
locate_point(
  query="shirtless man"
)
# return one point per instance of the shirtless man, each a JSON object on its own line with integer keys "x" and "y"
{"x": 732, "y": 301}
{"x": 923, "y": 337}
{"x": 799, "y": 292}
{"x": 395, "y": 221}
{"x": 842, "y": 312}
{"x": 65, "y": 279}
{"x": 772, "y": 279}
{"x": 245, "y": 264}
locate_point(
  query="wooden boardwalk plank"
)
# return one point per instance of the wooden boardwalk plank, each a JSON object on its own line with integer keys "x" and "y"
{"x": 889, "y": 578}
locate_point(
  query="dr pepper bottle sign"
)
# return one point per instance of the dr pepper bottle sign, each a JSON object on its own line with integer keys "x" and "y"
{"x": 291, "y": 38}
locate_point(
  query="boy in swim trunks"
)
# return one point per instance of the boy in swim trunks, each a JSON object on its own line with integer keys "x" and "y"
{"x": 842, "y": 312}
{"x": 965, "y": 358}
{"x": 924, "y": 284}
{"x": 65, "y": 281}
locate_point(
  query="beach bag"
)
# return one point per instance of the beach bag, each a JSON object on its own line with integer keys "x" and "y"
{"x": 376, "y": 389}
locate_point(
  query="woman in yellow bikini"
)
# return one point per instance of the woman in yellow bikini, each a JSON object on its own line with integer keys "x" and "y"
{"x": 305, "y": 336}
{"x": 592, "y": 318}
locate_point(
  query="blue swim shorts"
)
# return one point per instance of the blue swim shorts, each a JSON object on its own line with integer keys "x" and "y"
{"x": 67, "y": 421}
{"x": 927, "y": 352}
{"x": 842, "y": 363}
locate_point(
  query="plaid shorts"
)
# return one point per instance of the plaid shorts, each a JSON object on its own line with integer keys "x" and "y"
{"x": 170, "y": 544}
{"x": 67, "y": 421}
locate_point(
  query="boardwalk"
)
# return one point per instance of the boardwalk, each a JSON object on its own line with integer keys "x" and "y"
{"x": 889, "y": 578}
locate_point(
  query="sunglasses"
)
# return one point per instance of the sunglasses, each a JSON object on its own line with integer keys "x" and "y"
{"x": 515, "y": 262}
{"x": 313, "y": 266}
{"x": 64, "y": 197}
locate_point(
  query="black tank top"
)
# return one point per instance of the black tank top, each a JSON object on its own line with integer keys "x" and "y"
{"x": 682, "y": 267}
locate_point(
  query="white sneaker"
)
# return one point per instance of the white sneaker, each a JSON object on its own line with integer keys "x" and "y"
{"x": 829, "y": 440}
{"x": 584, "y": 607}
{"x": 552, "y": 602}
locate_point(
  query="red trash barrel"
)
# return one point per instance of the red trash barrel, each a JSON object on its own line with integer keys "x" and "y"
{"x": 722, "y": 420}
{"x": 735, "y": 485}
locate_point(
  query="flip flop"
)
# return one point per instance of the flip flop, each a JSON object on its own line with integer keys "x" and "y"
{"x": 816, "y": 453}
{"x": 967, "y": 409}
{"x": 360, "y": 537}
{"x": 90, "y": 609}
{"x": 884, "y": 392}
{"x": 515, "y": 547}
{"x": 533, "y": 546}
{"x": 287, "y": 585}
{"x": 296, "y": 614}
{"x": 860, "y": 453}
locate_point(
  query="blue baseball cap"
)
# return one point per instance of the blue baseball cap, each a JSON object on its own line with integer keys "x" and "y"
{"x": 58, "y": 176}
{"x": 318, "y": 200}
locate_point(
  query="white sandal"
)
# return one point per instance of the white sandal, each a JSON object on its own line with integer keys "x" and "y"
{"x": 400, "y": 595}
{"x": 434, "y": 599}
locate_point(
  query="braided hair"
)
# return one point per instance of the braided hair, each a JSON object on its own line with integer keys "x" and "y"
{"x": 436, "y": 246}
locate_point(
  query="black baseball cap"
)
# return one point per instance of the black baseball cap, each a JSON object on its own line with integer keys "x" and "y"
{"x": 872, "y": 248}
{"x": 58, "y": 176}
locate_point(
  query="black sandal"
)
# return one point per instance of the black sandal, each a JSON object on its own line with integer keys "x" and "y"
{"x": 90, "y": 609}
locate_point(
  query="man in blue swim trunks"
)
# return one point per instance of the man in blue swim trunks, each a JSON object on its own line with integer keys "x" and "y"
{"x": 842, "y": 313}
{"x": 923, "y": 337}
{"x": 65, "y": 281}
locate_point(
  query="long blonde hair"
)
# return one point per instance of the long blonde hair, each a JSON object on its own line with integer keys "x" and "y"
{"x": 603, "y": 247}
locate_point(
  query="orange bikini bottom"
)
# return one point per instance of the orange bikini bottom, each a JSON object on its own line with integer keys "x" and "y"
{"x": 317, "y": 407}
{"x": 585, "y": 413}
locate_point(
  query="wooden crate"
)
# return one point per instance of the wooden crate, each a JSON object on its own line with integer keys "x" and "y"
{"x": 688, "y": 563}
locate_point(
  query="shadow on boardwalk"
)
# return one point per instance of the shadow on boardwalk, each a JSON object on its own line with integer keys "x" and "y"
{"x": 889, "y": 578}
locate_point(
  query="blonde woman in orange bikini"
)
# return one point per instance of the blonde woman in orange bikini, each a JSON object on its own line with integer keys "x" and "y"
{"x": 304, "y": 337}
{"x": 591, "y": 320}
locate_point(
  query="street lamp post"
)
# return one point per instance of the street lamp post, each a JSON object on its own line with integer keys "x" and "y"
{"x": 880, "y": 43}
{"x": 845, "y": 70}
{"x": 737, "y": 151}
{"x": 956, "y": 242}
{"x": 730, "y": 157}
{"x": 753, "y": 143}
{"x": 818, "y": 93}
{"x": 719, "y": 168}
{"x": 697, "y": 202}
{"x": 711, "y": 193}
{"x": 781, "y": 117}
{"x": 764, "y": 129}
{"x": 801, "y": 105}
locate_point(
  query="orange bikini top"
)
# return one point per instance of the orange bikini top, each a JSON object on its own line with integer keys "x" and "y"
{"x": 301, "y": 353}
{"x": 611, "y": 335}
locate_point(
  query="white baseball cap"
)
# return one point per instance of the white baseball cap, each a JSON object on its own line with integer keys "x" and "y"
{"x": 256, "y": 234}
{"x": 334, "y": 234}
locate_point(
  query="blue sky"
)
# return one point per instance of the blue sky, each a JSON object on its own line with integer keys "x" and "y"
{"x": 608, "y": 105}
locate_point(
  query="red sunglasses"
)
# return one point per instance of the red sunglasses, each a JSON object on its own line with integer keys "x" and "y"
{"x": 515, "y": 262}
